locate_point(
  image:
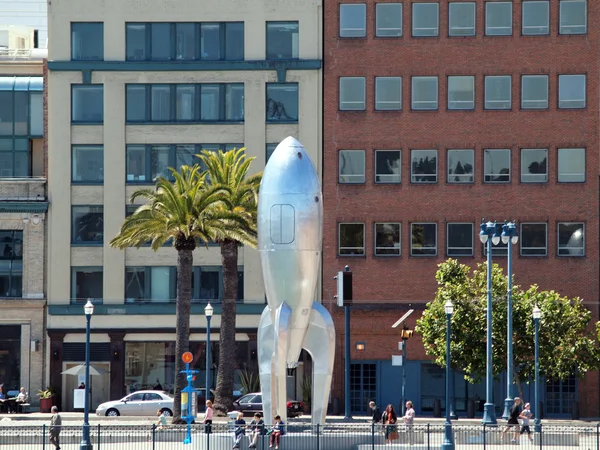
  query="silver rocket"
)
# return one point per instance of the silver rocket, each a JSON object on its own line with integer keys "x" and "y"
{"x": 290, "y": 233}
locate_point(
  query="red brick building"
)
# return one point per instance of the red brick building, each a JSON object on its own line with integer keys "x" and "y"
{"x": 438, "y": 114}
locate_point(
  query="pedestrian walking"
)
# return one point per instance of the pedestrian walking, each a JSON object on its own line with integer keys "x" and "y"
{"x": 409, "y": 420}
{"x": 389, "y": 420}
{"x": 55, "y": 426}
{"x": 375, "y": 412}
{"x": 513, "y": 421}
{"x": 525, "y": 417}
{"x": 208, "y": 417}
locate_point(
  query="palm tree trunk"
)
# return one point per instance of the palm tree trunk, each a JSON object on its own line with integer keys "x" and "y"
{"x": 185, "y": 261}
{"x": 227, "y": 349}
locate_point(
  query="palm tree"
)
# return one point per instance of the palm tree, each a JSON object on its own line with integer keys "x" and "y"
{"x": 185, "y": 212}
{"x": 227, "y": 172}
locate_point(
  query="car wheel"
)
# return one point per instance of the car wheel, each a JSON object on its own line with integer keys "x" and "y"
{"x": 112, "y": 413}
{"x": 167, "y": 412}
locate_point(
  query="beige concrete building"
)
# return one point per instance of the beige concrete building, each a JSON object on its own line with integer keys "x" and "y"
{"x": 23, "y": 207}
{"x": 135, "y": 88}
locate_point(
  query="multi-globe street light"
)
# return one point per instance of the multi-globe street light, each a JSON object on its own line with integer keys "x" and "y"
{"x": 85, "y": 435}
{"x": 537, "y": 314}
{"x": 448, "y": 443}
{"x": 510, "y": 237}
{"x": 208, "y": 312}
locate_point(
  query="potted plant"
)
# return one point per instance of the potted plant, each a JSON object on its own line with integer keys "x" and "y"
{"x": 306, "y": 394}
{"x": 46, "y": 399}
{"x": 250, "y": 382}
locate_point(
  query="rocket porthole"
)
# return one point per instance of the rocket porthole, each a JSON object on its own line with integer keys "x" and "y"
{"x": 316, "y": 199}
{"x": 299, "y": 155}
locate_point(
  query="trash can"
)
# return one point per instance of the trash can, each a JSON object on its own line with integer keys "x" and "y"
{"x": 437, "y": 408}
{"x": 471, "y": 409}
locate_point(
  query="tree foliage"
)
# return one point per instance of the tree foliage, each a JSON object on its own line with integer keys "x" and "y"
{"x": 568, "y": 344}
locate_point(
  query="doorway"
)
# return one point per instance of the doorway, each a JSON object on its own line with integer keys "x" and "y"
{"x": 99, "y": 386}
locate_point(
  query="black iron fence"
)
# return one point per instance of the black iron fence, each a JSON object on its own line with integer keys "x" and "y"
{"x": 336, "y": 436}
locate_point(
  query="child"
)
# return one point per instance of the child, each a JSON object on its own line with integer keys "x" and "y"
{"x": 278, "y": 431}
{"x": 162, "y": 420}
{"x": 525, "y": 416}
{"x": 257, "y": 428}
{"x": 239, "y": 430}
{"x": 208, "y": 416}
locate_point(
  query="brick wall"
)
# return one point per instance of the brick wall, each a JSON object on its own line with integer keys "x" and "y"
{"x": 411, "y": 279}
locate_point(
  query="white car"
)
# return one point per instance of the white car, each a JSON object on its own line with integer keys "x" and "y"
{"x": 140, "y": 403}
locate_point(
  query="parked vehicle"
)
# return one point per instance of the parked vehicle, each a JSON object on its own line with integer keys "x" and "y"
{"x": 140, "y": 403}
{"x": 252, "y": 403}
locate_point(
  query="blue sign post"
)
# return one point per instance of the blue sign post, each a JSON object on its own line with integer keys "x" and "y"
{"x": 188, "y": 407}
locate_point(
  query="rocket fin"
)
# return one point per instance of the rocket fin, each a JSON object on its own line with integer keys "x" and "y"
{"x": 320, "y": 343}
{"x": 281, "y": 331}
{"x": 266, "y": 338}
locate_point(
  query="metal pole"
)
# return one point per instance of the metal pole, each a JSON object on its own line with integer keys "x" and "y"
{"x": 85, "y": 439}
{"x": 347, "y": 412}
{"x": 208, "y": 357}
{"x": 537, "y": 422}
{"x": 509, "y": 337}
{"x": 403, "y": 405}
{"x": 448, "y": 443}
{"x": 489, "y": 414}
{"x": 453, "y": 415}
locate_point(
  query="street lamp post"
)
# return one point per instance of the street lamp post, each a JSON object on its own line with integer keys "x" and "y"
{"x": 537, "y": 314}
{"x": 208, "y": 312}
{"x": 509, "y": 237}
{"x": 85, "y": 436}
{"x": 489, "y": 235}
{"x": 448, "y": 443}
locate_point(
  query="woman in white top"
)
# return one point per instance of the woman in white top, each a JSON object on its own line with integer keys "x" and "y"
{"x": 409, "y": 419}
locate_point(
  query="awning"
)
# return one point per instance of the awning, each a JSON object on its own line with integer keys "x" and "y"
{"x": 21, "y": 83}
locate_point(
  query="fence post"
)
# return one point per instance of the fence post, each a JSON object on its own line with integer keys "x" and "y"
{"x": 98, "y": 438}
{"x": 153, "y": 434}
{"x": 428, "y": 437}
{"x": 484, "y": 437}
{"x": 44, "y": 437}
{"x": 541, "y": 435}
{"x": 598, "y": 437}
{"x": 318, "y": 437}
{"x": 372, "y": 435}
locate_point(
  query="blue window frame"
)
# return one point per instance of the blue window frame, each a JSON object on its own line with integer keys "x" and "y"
{"x": 11, "y": 263}
{"x": 87, "y": 225}
{"x": 282, "y": 102}
{"x": 185, "y": 41}
{"x": 282, "y": 40}
{"x": 15, "y": 158}
{"x": 87, "y": 41}
{"x": 146, "y": 162}
{"x": 87, "y": 164}
{"x": 177, "y": 103}
{"x": 87, "y": 103}
{"x": 87, "y": 283}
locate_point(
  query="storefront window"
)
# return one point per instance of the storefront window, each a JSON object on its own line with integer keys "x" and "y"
{"x": 148, "y": 364}
{"x": 10, "y": 356}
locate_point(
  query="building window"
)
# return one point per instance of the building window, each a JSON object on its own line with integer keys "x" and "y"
{"x": 177, "y": 103}
{"x": 387, "y": 239}
{"x": 87, "y": 103}
{"x": 88, "y": 225}
{"x": 460, "y": 166}
{"x": 388, "y": 166}
{"x": 352, "y": 93}
{"x": 534, "y": 92}
{"x": 498, "y": 18}
{"x": 496, "y": 166}
{"x": 282, "y": 40}
{"x": 11, "y": 263}
{"x": 388, "y": 93}
{"x": 461, "y": 92}
{"x": 423, "y": 239}
{"x": 573, "y": 16}
{"x": 86, "y": 283}
{"x": 352, "y": 166}
{"x": 571, "y": 239}
{"x": 146, "y": 162}
{"x": 424, "y": 93}
{"x": 87, "y": 41}
{"x": 150, "y": 284}
{"x": 282, "y": 102}
{"x": 161, "y": 41}
{"x": 206, "y": 284}
{"x": 534, "y": 165}
{"x": 423, "y": 167}
{"x": 536, "y": 17}
{"x": 459, "y": 239}
{"x": 461, "y": 19}
{"x": 533, "y": 239}
{"x": 353, "y": 20}
{"x": 88, "y": 164}
{"x": 14, "y": 158}
{"x": 571, "y": 165}
{"x": 388, "y": 19}
{"x": 571, "y": 91}
{"x": 425, "y": 19}
{"x": 498, "y": 92}
{"x": 351, "y": 239}
{"x": 270, "y": 149}
{"x": 36, "y": 114}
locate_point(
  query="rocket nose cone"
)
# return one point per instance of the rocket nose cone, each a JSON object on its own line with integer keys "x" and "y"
{"x": 291, "y": 142}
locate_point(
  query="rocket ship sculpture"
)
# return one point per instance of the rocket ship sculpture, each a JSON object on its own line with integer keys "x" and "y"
{"x": 290, "y": 231}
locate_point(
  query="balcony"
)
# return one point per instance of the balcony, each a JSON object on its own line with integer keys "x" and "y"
{"x": 23, "y": 189}
{"x": 147, "y": 301}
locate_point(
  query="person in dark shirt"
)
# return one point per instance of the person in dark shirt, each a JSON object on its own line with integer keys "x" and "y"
{"x": 513, "y": 421}
{"x": 375, "y": 412}
{"x": 257, "y": 428}
{"x": 157, "y": 386}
